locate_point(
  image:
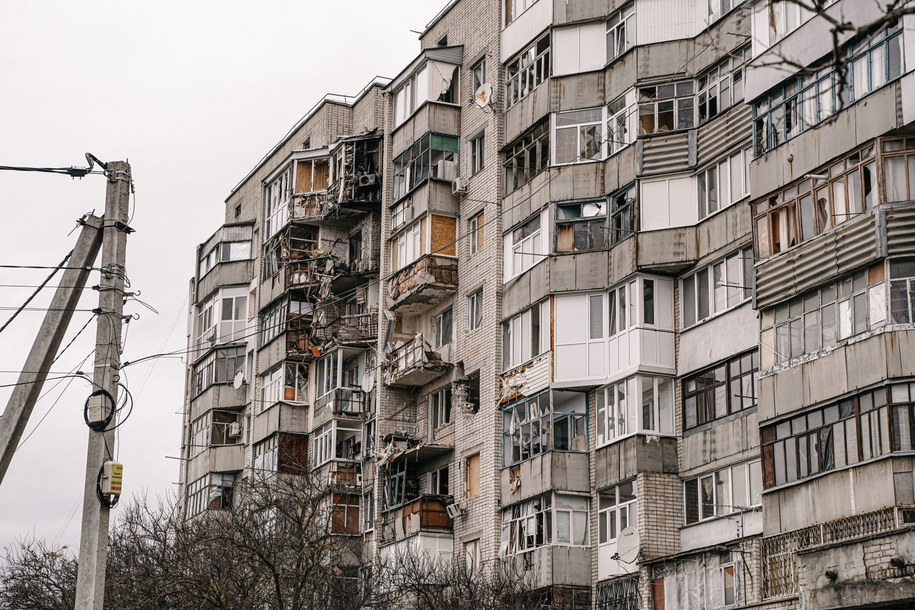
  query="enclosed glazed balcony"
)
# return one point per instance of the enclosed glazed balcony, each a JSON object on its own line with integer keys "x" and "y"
{"x": 424, "y": 284}
{"x": 414, "y": 364}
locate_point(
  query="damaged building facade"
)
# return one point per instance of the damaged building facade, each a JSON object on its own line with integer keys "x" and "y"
{"x": 599, "y": 291}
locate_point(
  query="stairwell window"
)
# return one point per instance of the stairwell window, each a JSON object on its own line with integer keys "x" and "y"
{"x": 475, "y": 310}
{"x": 442, "y": 328}
{"x": 440, "y": 408}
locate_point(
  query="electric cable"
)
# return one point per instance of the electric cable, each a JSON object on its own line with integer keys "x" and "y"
{"x": 36, "y": 291}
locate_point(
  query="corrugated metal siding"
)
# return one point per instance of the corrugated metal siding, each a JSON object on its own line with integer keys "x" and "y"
{"x": 730, "y": 132}
{"x": 664, "y": 154}
{"x": 809, "y": 264}
{"x": 900, "y": 230}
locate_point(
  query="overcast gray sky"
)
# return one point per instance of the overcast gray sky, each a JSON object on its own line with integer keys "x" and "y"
{"x": 192, "y": 94}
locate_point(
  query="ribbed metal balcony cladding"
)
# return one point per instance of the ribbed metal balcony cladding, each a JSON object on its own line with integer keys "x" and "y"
{"x": 726, "y": 133}
{"x": 665, "y": 154}
{"x": 850, "y": 246}
{"x": 900, "y": 229}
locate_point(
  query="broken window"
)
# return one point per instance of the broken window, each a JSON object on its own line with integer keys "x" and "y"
{"x": 898, "y": 169}
{"x": 475, "y": 232}
{"x": 440, "y": 408}
{"x": 432, "y": 156}
{"x": 438, "y": 482}
{"x": 667, "y": 107}
{"x": 804, "y": 101}
{"x": 477, "y": 156}
{"x": 526, "y": 157}
{"x": 337, "y": 440}
{"x": 475, "y": 310}
{"x": 478, "y": 74}
{"x": 549, "y": 421}
{"x": 620, "y": 32}
{"x": 852, "y": 430}
{"x": 552, "y": 518}
{"x": 434, "y": 81}
{"x": 729, "y": 490}
{"x": 219, "y": 366}
{"x": 623, "y": 214}
{"x": 617, "y": 510}
{"x": 722, "y": 85}
{"x": 581, "y": 226}
{"x": 210, "y": 492}
{"x": 442, "y": 326}
{"x": 527, "y": 70}
{"x": 579, "y": 136}
{"x": 720, "y": 391}
{"x": 473, "y": 392}
{"x": 525, "y": 245}
{"x": 619, "y": 136}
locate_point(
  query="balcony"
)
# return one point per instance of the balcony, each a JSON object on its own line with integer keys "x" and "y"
{"x": 345, "y": 476}
{"x": 424, "y": 284}
{"x": 413, "y": 364}
{"x": 357, "y": 188}
{"x": 425, "y": 514}
{"x": 780, "y": 552}
{"x": 346, "y": 402}
{"x": 349, "y": 329}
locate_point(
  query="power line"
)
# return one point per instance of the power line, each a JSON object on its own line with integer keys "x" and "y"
{"x": 36, "y": 291}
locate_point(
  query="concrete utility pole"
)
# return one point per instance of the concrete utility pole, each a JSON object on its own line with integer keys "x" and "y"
{"x": 47, "y": 342}
{"x": 93, "y": 548}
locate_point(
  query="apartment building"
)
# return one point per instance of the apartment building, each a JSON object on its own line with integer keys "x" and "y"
{"x": 615, "y": 295}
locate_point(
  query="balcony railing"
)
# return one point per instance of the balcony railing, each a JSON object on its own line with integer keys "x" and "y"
{"x": 356, "y": 328}
{"x": 779, "y": 552}
{"x": 424, "y": 283}
{"x": 426, "y": 513}
{"x": 345, "y": 475}
{"x": 413, "y": 364}
{"x": 343, "y": 401}
{"x": 308, "y": 206}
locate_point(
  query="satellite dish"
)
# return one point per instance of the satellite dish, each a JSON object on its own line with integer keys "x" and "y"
{"x": 483, "y": 95}
{"x": 627, "y": 545}
{"x": 238, "y": 380}
{"x": 368, "y": 382}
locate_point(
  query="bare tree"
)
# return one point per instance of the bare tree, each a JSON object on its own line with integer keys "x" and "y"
{"x": 35, "y": 576}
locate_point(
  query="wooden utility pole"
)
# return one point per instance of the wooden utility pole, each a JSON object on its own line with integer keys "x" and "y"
{"x": 47, "y": 342}
{"x": 93, "y": 548}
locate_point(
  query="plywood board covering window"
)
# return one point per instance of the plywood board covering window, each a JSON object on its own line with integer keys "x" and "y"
{"x": 311, "y": 176}
{"x": 444, "y": 231}
{"x": 472, "y": 484}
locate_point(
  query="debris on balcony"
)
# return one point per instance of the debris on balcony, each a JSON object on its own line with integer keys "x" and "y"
{"x": 357, "y": 181}
{"x": 424, "y": 283}
{"x": 414, "y": 364}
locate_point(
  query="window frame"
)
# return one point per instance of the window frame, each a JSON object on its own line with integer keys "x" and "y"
{"x": 702, "y": 390}
{"x": 440, "y": 408}
{"x": 527, "y": 70}
{"x": 526, "y": 157}
{"x": 475, "y": 310}
{"x": 621, "y": 21}
{"x": 683, "y": 115}
{"x": 618, "y": 504}
{"x": 702, "y": 291}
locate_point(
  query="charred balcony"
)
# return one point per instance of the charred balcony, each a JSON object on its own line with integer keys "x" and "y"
{"x": 414, "y": 364}
{"x": 356, "y": 179}
{"x": 423, "y": 284}
{"x": 425, "y": 514}
{"x": 345, "y": 329}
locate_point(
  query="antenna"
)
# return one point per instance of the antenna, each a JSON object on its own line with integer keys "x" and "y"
{"x": 238, "y": 379}
{"x": 483, "y": 95}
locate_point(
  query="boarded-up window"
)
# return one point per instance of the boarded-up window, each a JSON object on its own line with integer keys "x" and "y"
{"x": 444, "y": 232}
{"x": 345, "y": 514}
{"x": 472, "y": 484}
{"x": 311, "y": 176}
{"x": 292, "y": 455}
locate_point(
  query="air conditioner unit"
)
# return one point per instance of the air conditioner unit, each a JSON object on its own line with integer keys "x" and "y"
{"x": 454, "y": 510}
{"x": 458, "y": 186}
{"x": 358, "y": 479}
{"x": 235, "y": 429}
{"x": 368, "y": 179}
{"x": 446, "y": 170}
